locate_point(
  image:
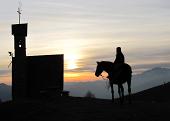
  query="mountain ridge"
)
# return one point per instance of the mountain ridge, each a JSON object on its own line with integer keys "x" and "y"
{"x": 147, "y": 79}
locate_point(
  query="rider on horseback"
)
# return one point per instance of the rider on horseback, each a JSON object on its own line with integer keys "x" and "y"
{"x": 118, "y": 73}
{"x": 119, "y": 56}
{"x": 119, "y": 61}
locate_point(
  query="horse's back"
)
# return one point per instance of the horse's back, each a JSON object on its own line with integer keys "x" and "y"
{"x": 128, "y": 67}
{"x": 122, "y": 67}
{"x": 125, "y": 73}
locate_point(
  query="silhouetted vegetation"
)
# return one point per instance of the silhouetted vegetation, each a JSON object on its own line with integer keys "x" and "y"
{"x": 89, "y": 94}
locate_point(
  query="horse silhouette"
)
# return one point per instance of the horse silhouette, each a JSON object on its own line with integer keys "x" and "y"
{"x": 117, "y": 74}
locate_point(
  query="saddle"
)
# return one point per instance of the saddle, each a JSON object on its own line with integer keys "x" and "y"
{"x": 116, "y": 71}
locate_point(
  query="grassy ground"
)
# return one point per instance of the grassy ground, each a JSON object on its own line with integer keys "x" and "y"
{"x": 84, "y": 109}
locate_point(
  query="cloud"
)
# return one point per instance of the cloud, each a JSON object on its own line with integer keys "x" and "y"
{"x": 4, "y": 72}
{"x": 141, "y": 27}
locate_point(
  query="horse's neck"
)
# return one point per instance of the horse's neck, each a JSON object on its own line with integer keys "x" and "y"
{"x": 108, "y": 68}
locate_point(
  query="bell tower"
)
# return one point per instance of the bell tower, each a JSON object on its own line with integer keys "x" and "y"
{"x": 19, "y": 71}
{"x": 19, "y": 77}
{"x": 20, "y": 32}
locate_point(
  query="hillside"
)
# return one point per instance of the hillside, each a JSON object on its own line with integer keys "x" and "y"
{"x": 79, "y": 109}
{"x": 86, "y": 109}
{"x": 159, "y": 93}
{"x": 150, "y": 78}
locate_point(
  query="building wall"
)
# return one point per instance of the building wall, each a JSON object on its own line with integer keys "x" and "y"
{"x": 19, "y": 81}
{"x": 44, "y": 73}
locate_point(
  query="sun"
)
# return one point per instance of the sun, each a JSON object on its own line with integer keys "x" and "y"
{"x": 71, "y": 60}
{"x": 71, "y": 64}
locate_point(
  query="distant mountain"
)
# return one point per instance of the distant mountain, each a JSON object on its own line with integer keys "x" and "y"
{"x": 151, "y": 78}
{"x": 5, "y": 92}
{"x": 146, "y": 80}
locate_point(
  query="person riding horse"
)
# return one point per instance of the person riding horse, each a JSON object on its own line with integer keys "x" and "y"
{"x": 119, "y": 56}
{"x": 118, "y": 63}
{"x": 119, "y": 72}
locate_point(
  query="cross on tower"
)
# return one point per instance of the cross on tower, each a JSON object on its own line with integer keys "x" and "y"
{"x": 19, "y": 12}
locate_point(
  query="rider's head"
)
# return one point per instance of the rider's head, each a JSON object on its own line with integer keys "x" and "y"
{"x": 118, "y": 49}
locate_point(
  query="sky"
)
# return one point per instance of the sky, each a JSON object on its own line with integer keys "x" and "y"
{"x": 86, "y": 31}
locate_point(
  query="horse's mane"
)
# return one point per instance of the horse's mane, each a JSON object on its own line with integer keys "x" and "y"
{"x": 111, "y": 65}
{"x": 107, "y": 62}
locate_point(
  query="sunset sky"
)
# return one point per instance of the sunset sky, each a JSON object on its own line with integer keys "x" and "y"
{"x": 86, "y": 31}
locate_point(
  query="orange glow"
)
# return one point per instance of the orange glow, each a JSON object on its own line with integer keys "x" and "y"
{"x": 6, "y": 79}
{"x": 71, "y": 75}
{"x": 79, "y": 77}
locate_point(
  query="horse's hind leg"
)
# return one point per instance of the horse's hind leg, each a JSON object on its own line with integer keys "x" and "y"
{"x": 119, "y": 91}
{"x": 129, "y": 90}
{"x": 112, "y": 91}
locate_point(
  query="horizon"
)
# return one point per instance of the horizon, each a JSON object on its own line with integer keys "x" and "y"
{"x": 103, "y": 80}
{"x": 89, "y": 31}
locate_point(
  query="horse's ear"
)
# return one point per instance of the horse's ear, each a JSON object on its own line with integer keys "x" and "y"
{"x": 97, "y": 62}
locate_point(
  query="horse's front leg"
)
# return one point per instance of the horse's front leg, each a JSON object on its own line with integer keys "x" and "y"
{"x": 112, "y": 91}
{"x": 129, "y": 90}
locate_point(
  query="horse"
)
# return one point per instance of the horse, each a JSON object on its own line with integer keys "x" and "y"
{"x": 118, "y": 73}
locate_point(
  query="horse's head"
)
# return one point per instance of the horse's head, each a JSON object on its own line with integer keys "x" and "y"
{"x": 99, "y": 69}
